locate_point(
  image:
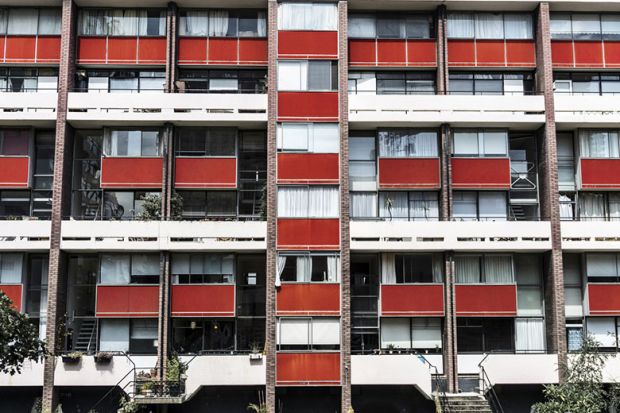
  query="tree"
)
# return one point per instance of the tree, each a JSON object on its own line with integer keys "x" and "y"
{"x": 19, "y": 340}
{"x": 583, "y": 390}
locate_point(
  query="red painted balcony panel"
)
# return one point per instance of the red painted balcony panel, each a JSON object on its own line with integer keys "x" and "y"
{"x": 409, "y": 173}
{"x": 310, "y": 106}
{"x": 490, "y": 53}
{"x": 314, "y": 369}
{"x": 412, "y": 300}
{"x": 308, "y": 44}
{"x": 604, "y": 298}
{"x": 588, "y": 54}
{"x": 481, "y": 173}
{"x": 14, "y": 292}
{"x": 562, "y": 53}
{"x": 308, "y": 234}
{"x": 122, "y": 50}
{"x": 600, "y": 173}
{"x": 192, "y": 50}
{"x": 391, "y": 52}
{"x": 205, "y": 173}
{"x": 20, "y": 49}
{"x": 252, "y": 51}
{"x": 210, "y": 300}
{"x": 362, "y": 52}
{"x": 486, "y": 300}
{"x": 92, "y": 50}
{"x": 131, "y": 172}
{"x": 421, "y": 53}
{"x": 612, "y": 53}
{"x": 152, "y": 50}
{"x": 461, "y": 53}
{"x": 520, "y": 53}
{"x": 48, "y": 49}
{"x": 127, "y": 301}
{"x": 308, "y": 299}
{"x": 308, "y": 168}
{"x": 14, "y": 172}
{"x": 2, "y": 43}
{"x": 222, "y": 51}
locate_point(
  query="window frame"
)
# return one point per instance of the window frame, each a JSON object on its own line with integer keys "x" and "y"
{"x": 176, "y": 276}
{"x": 233, "y": 14}
{"x": 108, "y": 16}
{"x": 480, "y": 138}
{"x": 304, "y": 84}
{"x": 403, "y": 25}
{"x": 311, "y": 256}
{"x": 310, "y": 346}
{"x": 482, "y": 276}
{"x": 133, "y": 278}
{"x": 309, "y": 189}
{"x": 108, "y": 142}
{"x": 474, "y": 18}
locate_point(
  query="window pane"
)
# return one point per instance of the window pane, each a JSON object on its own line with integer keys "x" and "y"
{"x": 395, "y": 332}
{"x": 586, "y": 26}
{"x": 49, "y": 21}
{"x": 221, "y": 203}
{"x": 460, "y": 25}
{"x": 467, "y": 269}
{"x": 145, "y": 264}
{"x": 23, "y": 21}
{"x": 362, "y": 149}
{"x": 114, "y": 269}
{"x": 11, "y": 268}
{"x": 362, "y": 26}
{"x": 221, "y": 142}
{"x": 293, "y": 136}
{"x": 390, "y": 28}
{"x": 15, "y": 142}
{"x": 193, "y": 23}
{"x": 601, "y": 265}
{"x": 292, "y": 75}
{"x": 150, "y": 144}
{"x": 529, "y": 301}
{"x": 492, "y": 205}
{"x": 611, "y": 26}
{"x": 464, "y": 206}
{"x": 603, "y": 330}
{"x": 418, "y": 27}
{"x": 465, "y": 143}
{"x": 561, "y": 26}
{"x": 114, "y": 335}
{"x": 518, "y": 26}
{"x": 293, "y": 202}
{"x": 294, "y": 331}
{"x": 363, "y": 205}
{"x": 489, "y": 26}
{"x": 325, "y": 331}
{"x": 326, "y": 138}
{"x": 426, "y": 333}
{"x": 319, "y": 75}
{"x": 495, "y": 143}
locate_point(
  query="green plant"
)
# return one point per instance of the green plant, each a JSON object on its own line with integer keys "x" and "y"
{"x": 151, "y": 208}
{"x": 255, "y": 348}
{"x": 127, "y": 406}
{"x": 176, "y": 368}
{"x": 176, "y": 206}
{"x": 75, "y": 355}
{"x": 261, "y": 406}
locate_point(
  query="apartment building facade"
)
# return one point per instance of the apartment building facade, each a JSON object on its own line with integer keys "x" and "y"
{"x": 329, "y": 205}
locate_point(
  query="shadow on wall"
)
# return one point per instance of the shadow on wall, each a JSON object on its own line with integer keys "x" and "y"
{"x": 390, "y": 399}
{"x": 219, "y": 400}
{"x": 519, "y": 398}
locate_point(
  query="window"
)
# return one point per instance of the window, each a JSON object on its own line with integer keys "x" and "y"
{"x": 316, "y": 333}
{"x": 362, "y": 83}
{"x": 223, "y": 23}
{"x": 122, "y": 22}
{"x": 407, "y": 144}
{"x": 585, "y": 26}
{"x": 121, "y": 81}
{"x": 410, "y": 206}
{"x": 485, "y": 335}
{"x": 30, "y": 21}
{"x": 309, "y": 137}
{"x": 601, "y": 206}
{"x": 307, "y": 16}
{"x": 143, "y": 338}
{"x": 363, "y": 204}
{"x": 602, "y": 267}
{"x": 120, "y": 269}
{"x": 22, "y": 80}
{"x": 463, "y": 25}
{"x": 484, "y": 269}
{"x": 574, "y": 335}
{"x": 528, "y": 274}
{"x": 411, "y": 333}
{"x": 405, "y": 83}
{"x": 566, "y": 162}
{"x": 308, "y": 202}
{"x": 113, "y": 335}
{"x": 573, "y": 296}
{"x": 305, "y": 268}
{"x": 203, "y": 268}
{"x": 411, "y": 268}
{"x": 14, "y": 142}
{"x": 205, "y": 142}
{"x": 222, "y": 81}
{"x": 529, "y": 335}
{"x": 363, "y": 168}
{"x": 208, "y": 204}
{"x": 599, "y": 144}
{"x": 604, "y": 331}
{"x": 11, "y": 268}
{"x": 123, "y": 204}
{"x": 132, "y": 143}
{"x": 483, "y": 206}
{"x": 138, "y": 336}
{"x": 203, "y": 335}
{"x": 480, "y": 143}
{"x": 385, "y": 26}
{"x": 491, "y": 83}
{"x": 314, "y": 75}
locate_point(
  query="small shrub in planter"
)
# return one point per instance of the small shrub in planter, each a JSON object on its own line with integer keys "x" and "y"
{"x": 103, "y": 357}
{"x": 72, "y": 358}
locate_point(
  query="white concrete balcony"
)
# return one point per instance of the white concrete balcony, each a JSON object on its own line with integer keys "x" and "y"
{"x": 513, "y": 368}
{"x": 36, "y": 108}
{"x": 590, "y": 236}
{"x": 26, "y": 235}
{"x": 156, "y": 108}
{"x": 449, "y": 235}
{"x": 401, "y": 369}
{"x": 587, "y": 110}
{"x": 237, "y": 370}
{"x": 163, "y": 235}
{"x": 370, "y": 110}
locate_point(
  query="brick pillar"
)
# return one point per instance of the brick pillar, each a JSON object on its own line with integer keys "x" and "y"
{"x": 345, "y": 238}
{"x": 445, "y": 194}
{"x": 171, "y": 46}
{"x": 442, "y": 50}
{"x": 167, "y": 181}
{"x": 549, "y": 192}
{"x": 270, "y": 290}
{"x": 163, "y": 323}
{"x": 60, "y": 206}
{"x": 450, "y": 365}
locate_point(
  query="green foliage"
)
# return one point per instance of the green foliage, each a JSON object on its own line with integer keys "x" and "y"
{"x": 127, "y": 406}
{"x": 19, "y": 340}
{"x": 151, "y": 208}
{"x": 261, "y": 406}
{"x": 176, "y": 368}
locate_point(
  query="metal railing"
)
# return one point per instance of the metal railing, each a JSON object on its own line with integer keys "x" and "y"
{"x": 440, "y": 385}
{"x": 487, "y": 390}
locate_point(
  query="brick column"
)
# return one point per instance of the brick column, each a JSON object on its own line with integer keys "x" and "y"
{"x": 345, "y": 238}
{"x": 171, "y": 46}
{"x": 442, "y": 50}
{"x": 450, "y": 365}
{"x": 60, "y": 205}
{"x": 163, "y": 322}
{"x": 167, "y": 181}
{"x": 270, "y": 290}
{"x": 445, "y": 194}
{"x": 549, "y": 192}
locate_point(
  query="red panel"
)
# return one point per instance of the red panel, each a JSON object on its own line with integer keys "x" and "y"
{"x": 14, "y": 171}
{"x": 2, "y": 48}
{"x": 92, "y": 49}
{"x": 192, "y": 50}
{"x": 131, "y": 172}
{"x": 308, "y": 168}
{"x": 562, "y": 53}
{"x": 122, "y": 49}
{"x": 294, "y": 369}
{"x": 409, "y": 173}
{"x": 127, "y": 301}
{"x": 604, "y": 298}
{"x": 600, "y": 173}
{"x": 308, "y": 44}
{"x": 486, "y": 300}
{"x": 422, "y": 53}
{"x": 205, "y": 173}
{"x": 362, "y": 52}
{"x": 488, "y": 173}
{"x": 308, "y": 234}
{"x": 203, "y": 300}
{"x": 252, "y": 51}
{"x": 48, "y": 49}
{"x": 588, "y": 54}
{"x": 392, "y": 52}
{"x": 412, "y": 300}
{"x": 490, "y": 53}
{"x": 308, "y": 299}
{"x": 222, "y": 51}
{"x": 20, "y": 48}
{"x": 612, "y": 54}
{"x": 14, "y": 292}
{"x": 308, "y": 106}
{"x": 461, "y": 53}
{"x": 520, "y": 53}
{"x": 152, "y": 50}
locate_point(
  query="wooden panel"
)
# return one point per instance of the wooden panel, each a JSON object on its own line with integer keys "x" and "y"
{"x": 604, "y": 298}
{"x": 486, "y": 300}
{"x": 152, "y": 50}
{"x": 461, "y": 53}
{"x": 308, "y": 44}
{"x": 562, "y": 53}
{"x": 412, "y": 300}
{"x": 203, "y": 300}
{"x": 123, "y": 50}
{"x": 409, "y": 173}
{"x": 127, "y": 301}
{"x": 600, "y": 173}
{"x": 308, "y": 299}
{"x": 311, "y": 106}
{"x": 222, "y": 51}
{"x": 362, "y": 52}
{"x": 308, "y": 234}
{"x": 308, "y": 168}
{"x": 192, "y": 50}
{"x": 20, "y": 49}
{"x": 48, "y": 49}
{"x": 131, "y": 172}
{"x": 14, "y": 292}
{"x": 92, "y": 50}
{"x": 14, "y": 172}
{"x": 315, "y": 369}
{"x": 391, "y": 52}
{"x": 422, "y": 53}
{"x": 205, "y": 173}
{"x": 483, "y": 173}
{"x": 252, "y": 51}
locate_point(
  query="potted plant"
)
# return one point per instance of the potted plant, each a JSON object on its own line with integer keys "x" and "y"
{"x": 103, "y": 357}
{"x": 175, "y": 375}
{"x": 72, "y": 358}
{"x": 391, "y": 348}
{"x": 256, "y": 353}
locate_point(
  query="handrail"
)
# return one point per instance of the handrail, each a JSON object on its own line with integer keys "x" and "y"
{"x": 133, "y": 369}
{"x": 486, "y": 388}
{"x": 92, "y": 333}
{"x": 440, "y": 393}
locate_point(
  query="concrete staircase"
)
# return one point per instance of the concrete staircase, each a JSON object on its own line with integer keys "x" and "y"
{"x": 465, "y": 403}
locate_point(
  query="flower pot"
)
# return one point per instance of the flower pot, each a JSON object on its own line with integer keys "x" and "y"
{"x": 71, "y": 360}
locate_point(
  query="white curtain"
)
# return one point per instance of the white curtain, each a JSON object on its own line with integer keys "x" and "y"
{"x": 325, "y": 331}
{"x": 294, "y": 331}
{"x": 11, "y": 268}
{"x": 323, "y": 202}
{"x": 304, "y": 269}
{"x": 144, "y": 264}
{"x": 394, "y": 205}
{"x": 529, "y": 301}
{"x": 194, "y": 23}
{"x": 614, "y": 206}
{"x": 467, "y": 268}
{"x": 307, "y": 16}
{"x": 388, "y": 268}
{"x": 22, "y": 21}
{"x": 49, "y": 21}
{"x": 292, "y": 75}
{"x": 530, "y": 335}
{"x": 261, "y": 24}
{"x": 425, "y": 333}
{"x": 498, "y": 269}
{"x": 465, "y": 143}
{"x": 396, "y": 332}
{"x": 325, "y": 138}
{"x": 124, "y": 22}
{"x": 438, "y": 264}
{"x": 518, "y": 26}
{"x": 293, "y": 201}
{"x": 489, "y": 26}
{"x": 599, "y": 144}
{"x": 115, "y": 269}
{"x": 114, "y": 335}
{"x": 492, "y": 206}
{"x": 426, "y": 144}
{"x": 424, "y": 206}
{"x": 94, "y": 22}
{"x": 324, "y": 16}
{"x": 333, "y": 269}
{"x": 601, "y": 265}
{"x": 461, "y": 25}
{"x": 281, "y": 264}
{"x": 363, "y": 205}
{"x": 362, "y": 26}
{"x": 293, "y": 136}
{"x": 566, "y": 208}
{"x": 218, "y": 23}
{"x": 591, "y": 206}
